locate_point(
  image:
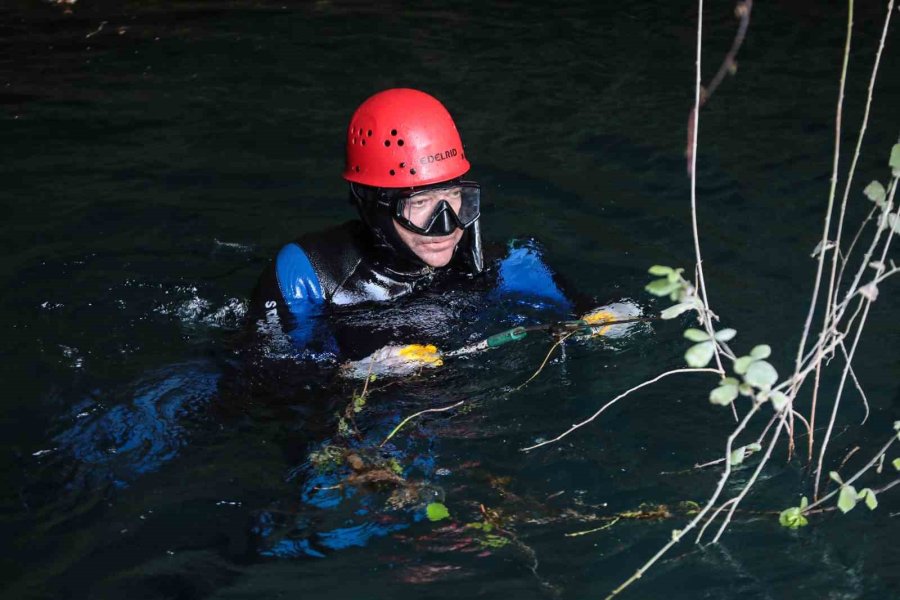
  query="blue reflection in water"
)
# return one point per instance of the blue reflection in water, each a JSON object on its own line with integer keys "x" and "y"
{"x": 139, "y": 436}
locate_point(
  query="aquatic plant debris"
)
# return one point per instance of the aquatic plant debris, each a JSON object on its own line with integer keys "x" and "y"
{"x": 436, "y": 512}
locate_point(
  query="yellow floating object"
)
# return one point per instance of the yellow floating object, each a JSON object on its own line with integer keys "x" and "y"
{"x": 599, "y": 317}
{"x": 427, "y": 354}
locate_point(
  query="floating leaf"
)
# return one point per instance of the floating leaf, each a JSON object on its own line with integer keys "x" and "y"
{"x": 836, "y": 478}
{"x": 676, "y": 535}
{"x": 674, "y": 311}
{"x": 792, "y": 518}
{"x": 699, "y": 355}
{"x": 742, "y": 364}
{"x": 875, "y": 192}
{"x": 660, "y": 270}
{"x": 760, "y": 352}
{"x": 724, "y": 394}
{"x": 894, "y": 161}
{"x": 746, "y": 389}
{"x": 436, "y": 511}
{"x": 868, "y": 496}
{"x": 725, "y": 335}
{"x": 803, "y": 503}
{"x": 761, "y": 374}
{"x": 730, "y": 381}
{"x": 877, "y": 265}
{"x": 847, "y": 498}
{"x": 779, "y": 400}
{"x": 661, "y": 287}
{"x": 896, "y": 463}
{"x": 696, "y": 335}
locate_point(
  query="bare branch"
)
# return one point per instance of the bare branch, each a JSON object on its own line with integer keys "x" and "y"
{"x": 616, "y": 399}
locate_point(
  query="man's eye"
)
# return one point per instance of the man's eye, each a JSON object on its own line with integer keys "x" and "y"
{"x": 417, "y": 203}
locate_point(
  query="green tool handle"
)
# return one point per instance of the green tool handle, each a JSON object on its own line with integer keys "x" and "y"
{"x": 504, "y": 337}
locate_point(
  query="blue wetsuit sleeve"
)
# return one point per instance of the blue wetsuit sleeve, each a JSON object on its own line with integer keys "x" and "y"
{"x": 301, "y": 290}
{"x": 524, "y": 274}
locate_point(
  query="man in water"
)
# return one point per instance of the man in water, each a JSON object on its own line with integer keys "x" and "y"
{"x": 335, "y": 293}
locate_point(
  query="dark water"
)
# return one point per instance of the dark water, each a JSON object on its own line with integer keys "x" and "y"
{"x": 151, "y": 167}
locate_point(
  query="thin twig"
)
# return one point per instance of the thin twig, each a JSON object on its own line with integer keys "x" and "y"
{"x": 613, "y": 401}
{"x": 856, "y": 476}
{"x": 859, "y": 389}
{"x": 553, "y": 348}
{"x": 413, "y": 416}
{"x": 607, "y": 526}
{"x": 827, "y": 227}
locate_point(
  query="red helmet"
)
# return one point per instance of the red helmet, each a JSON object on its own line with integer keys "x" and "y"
{"x": 403, "y": 138}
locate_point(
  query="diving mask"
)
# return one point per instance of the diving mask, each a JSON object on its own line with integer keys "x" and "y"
{"x": 438, "y": 211}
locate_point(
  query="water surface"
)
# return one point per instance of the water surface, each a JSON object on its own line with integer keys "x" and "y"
{"x": 155, "y": 156}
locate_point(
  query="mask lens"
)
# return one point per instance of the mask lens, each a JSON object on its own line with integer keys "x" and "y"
{"x": 421, "y": 209}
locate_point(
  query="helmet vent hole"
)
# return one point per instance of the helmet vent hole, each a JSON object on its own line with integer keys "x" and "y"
{"x": 412, "y": 171}
{"x": 387, "y": 143}
{"x": 353, "y": 140}
{"x": 392, "y": 172}
{"x": 393, "y": 132}
{"x": 363, "y": 142}
{"x": 402, "y": 165}
{"x": 369, "y": 133}
{"x": 399, "y": 142}
{"x": 356, "y": 168}
{"x": 360, "y": 132}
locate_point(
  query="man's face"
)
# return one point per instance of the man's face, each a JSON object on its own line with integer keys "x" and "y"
{"x": 434, "y": 251}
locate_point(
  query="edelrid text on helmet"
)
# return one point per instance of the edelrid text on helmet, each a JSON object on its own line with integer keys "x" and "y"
{"x": 403, "y": 138}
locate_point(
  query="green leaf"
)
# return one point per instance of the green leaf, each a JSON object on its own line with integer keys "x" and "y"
{"x": 754, "y": 447}
{"x": 436, "y": 511}
{"x": 661, "y": 287}
{"x": 746, "y": 389}
{"x": 675, "y": 276}
{"x": 894, "y": 222}
{"x": 674, "y": 311}
{"x": 699, "y": 355}
{"x": 875, "y": 192}
{"x": 868, "y": 496}
{"x": 896, "y": 463}
{"x": 737, "y": 456}
{"x": 725, "y": 335}
{"x": 894, "y": 161}
{"x": 742, "y": 364}
{"x": 792, "y": 518}
{"x": 760, "y": 352}
{"x": 847, "y": 498}
{"x": 761, "y": 374}
{"x": 730, "y": 381}
{"x": 660, "y": 271}
{"x": 724, "y": 394}
{"x": 803, "y": 503}
{"x": 696, "y": 335}
{"x": 779, "y": 400}
{"x": 836, "y": 478}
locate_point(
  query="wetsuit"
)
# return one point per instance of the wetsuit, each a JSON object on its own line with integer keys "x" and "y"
{"x": 340, "y": 294}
